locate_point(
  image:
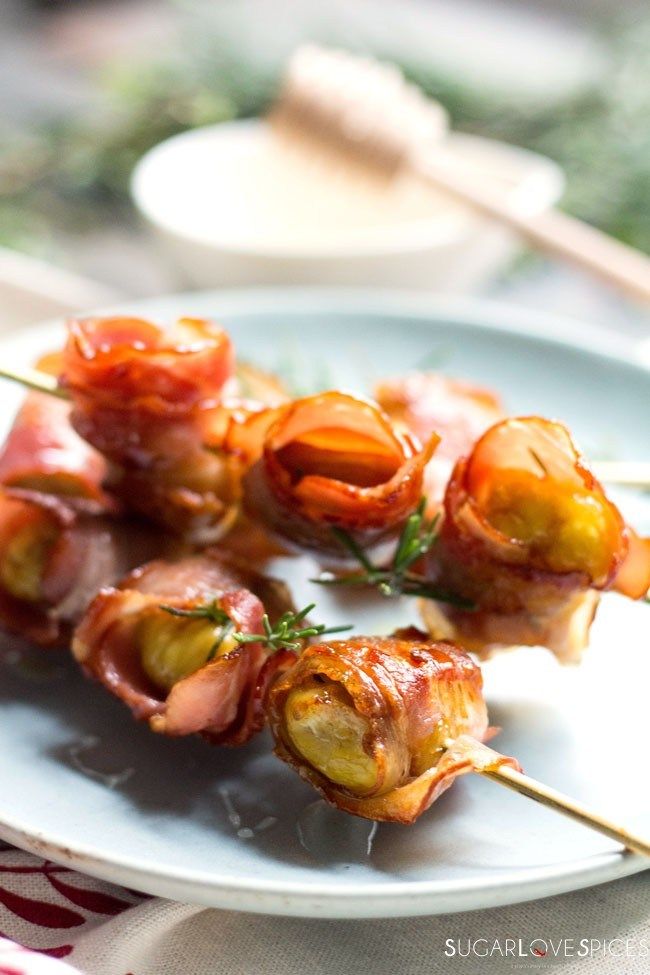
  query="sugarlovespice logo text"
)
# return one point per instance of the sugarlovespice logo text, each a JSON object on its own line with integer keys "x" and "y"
{"x": 539, "y": 948}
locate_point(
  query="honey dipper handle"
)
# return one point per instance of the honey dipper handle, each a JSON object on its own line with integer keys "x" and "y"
{"x": 553, "y": 231}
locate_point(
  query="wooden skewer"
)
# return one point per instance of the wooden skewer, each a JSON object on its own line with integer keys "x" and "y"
{"x": 486, "y": 764}
{"x": 42, "y": 382}
{"x": 554, "y": 232}
{"x": 547, "y": 796}
{"x": 626, "y": 473}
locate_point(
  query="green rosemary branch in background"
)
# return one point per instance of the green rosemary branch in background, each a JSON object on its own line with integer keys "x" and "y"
{"x": 56, "y": 175}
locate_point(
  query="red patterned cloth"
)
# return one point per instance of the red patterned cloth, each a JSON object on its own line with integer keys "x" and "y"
{"x": 99, "y": 929}
{"x": 45, "y": 907}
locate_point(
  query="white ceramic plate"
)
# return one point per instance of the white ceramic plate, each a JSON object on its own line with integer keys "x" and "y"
{"x": 83, "y": 784}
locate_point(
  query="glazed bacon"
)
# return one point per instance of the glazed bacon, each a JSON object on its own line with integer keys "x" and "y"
{"x": 55, "y": 553}
{"x": 43, "y": 453}
{"x": 148, "y": 400}
{"x": 330, "y": 460}
{"x": 427, "y": 403}
{"x": 530, "y": 538}
{"x": 60, "y": 537}
{"x": 369, "y": 722}
{"x": 182, "y": 671}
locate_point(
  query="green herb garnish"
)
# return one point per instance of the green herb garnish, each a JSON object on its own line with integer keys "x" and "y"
{"x": 287, "y": 634}
{"x": 417, "y": 538}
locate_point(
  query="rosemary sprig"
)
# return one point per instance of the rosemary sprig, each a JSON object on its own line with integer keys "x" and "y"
{"x": 398, "y": 579}
{"x": 287, "y": 634}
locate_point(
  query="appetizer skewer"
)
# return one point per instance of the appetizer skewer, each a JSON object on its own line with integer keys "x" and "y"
{"x": 61, "y": 536}
{"x": 296, "y": 485}
{"x": 55, "y": 554}
{"x": 191, "y": 646}
{"x": 330, "y": 460}
{"x": 366, "y": 721}
{"x": 529, "y": 536}
{"x": 148, "y": 400}
{"x": 382, "y": 726}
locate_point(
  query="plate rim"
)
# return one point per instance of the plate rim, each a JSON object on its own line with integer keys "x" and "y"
{"x": 487, "y": 313}
{"x": 363, "y": 899}
{"x": 299, "y": 899}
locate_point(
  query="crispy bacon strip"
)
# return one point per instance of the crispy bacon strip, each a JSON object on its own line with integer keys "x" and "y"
{"x": 215, "y": 686}
{"x": 368, "y": 721}
{"x": 633, "y": 577}
{"x": 427, "y": 403}
{"x": 43, "y": 453}
{"x": 329, "y": 460}
{"x": 111, "y": 360}
{"x": 530, "y": 537}
{"x": 55, "y": 553}
{"x": 148, "y": 400}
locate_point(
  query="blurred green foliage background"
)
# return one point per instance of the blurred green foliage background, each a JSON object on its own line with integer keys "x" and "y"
{"x": 73, "y": 173}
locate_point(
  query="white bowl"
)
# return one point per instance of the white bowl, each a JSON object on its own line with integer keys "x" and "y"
{"x": 231, "y": 209}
